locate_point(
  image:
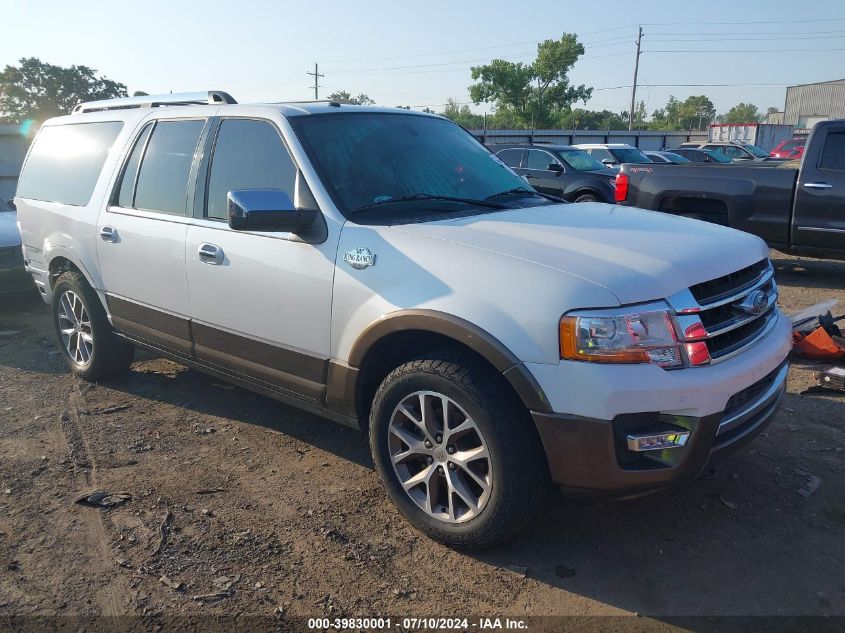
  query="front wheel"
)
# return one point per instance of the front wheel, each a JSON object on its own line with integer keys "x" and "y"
{"x": 587, "y": 197}
{"x": 89, "y": 345}
{"x": 456, "y": 453}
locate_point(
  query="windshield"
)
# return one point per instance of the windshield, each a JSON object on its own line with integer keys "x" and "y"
{"x": 629, "y": 155}
{"x": 368, "y": 159}
{"x": 580, "y": 160}
{"x": 756, "y": 151}
{"x": 716, "y": 156}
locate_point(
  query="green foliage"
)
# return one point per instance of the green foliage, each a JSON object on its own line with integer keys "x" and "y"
{"x": 532, "y": 95}
{"x": 37, "y": 90}
{"x": 345, "y": 97}
{"x": 580, "y": 119}
{"x": 695, "y": 113}
{"x": 743, "y": 113}
{"x": 462, "y": 115}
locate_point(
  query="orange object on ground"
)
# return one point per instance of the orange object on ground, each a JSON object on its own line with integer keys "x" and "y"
{"x": 817, "y": 345}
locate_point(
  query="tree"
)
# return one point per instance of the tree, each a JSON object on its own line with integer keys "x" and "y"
{"x": 580, "y": 119}
{"x": 345, "y": 97}
{"x": 536, "y": 94}
{"x": 462, "y": 115}
{"x": 743, "y": 113}
{"x": 37, "y": 90}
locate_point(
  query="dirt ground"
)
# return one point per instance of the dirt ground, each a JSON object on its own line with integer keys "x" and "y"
{"x": 241, "y": 506}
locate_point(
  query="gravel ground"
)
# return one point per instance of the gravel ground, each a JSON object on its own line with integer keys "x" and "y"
{"x": 241, "y": 506}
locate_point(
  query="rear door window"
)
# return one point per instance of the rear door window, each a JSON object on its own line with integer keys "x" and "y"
{"x": 833, "y": 152}
{"x": 538, "y": 159}
{"x": 249, "y": 154}
{"x": 166, "y": 166}
{"x": 126, "y": 195}
{"x": 66, "y": 160}
{"x": 601, "y": 154}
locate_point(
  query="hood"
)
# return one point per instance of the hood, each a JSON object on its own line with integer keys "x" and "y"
{"x": 9, "y": 234}
{"x": 638, "y": 255}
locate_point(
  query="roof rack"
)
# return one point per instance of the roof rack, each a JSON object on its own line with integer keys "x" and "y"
{"x": 211, "y": 97}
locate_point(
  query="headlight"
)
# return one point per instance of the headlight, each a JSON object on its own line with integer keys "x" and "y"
{"x": 645, "y": 336}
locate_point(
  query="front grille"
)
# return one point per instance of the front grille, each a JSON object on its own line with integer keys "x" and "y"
{"x": 710, "y": 291}
{"x": 728, "y": 313}
{"x": 11, "y": 257}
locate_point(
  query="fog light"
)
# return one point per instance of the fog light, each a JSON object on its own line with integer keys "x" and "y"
{"x": 657, "y": 441}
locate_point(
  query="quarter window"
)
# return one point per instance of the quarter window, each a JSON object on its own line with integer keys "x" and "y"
{"x": 833, "y": 152}
{"x": 65, "y": 162}
{"x": 249, "y": 154}
{"x": 510, "y": 157}
{"x": 166, "y": 167}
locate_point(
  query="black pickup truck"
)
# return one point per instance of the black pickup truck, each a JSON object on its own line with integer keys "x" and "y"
{"x": 796, "y": 208}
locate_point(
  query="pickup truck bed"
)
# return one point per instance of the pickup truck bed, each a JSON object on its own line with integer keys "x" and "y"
{"x": 796, "y": 209}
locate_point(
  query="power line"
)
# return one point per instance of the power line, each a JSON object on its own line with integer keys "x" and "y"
{"x": 753, "y": 50}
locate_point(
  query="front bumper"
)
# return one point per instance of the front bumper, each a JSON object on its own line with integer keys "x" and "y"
{"x": 722, "y": 407}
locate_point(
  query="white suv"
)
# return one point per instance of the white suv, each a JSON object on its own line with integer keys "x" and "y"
{"x": 382, "y": 268}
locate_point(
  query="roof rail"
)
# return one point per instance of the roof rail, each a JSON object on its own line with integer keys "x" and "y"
{"x": 211, "y": 97}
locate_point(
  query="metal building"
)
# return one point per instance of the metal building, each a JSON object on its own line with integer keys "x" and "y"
{"x": 807, "y": 104}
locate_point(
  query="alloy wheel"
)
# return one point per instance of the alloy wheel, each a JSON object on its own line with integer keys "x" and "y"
{"x": 75, "y": 328}
{"x": 440, "y": 457}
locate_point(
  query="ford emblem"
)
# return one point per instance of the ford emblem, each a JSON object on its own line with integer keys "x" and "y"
{"x": 754, "y": 302}
{"x": 360, "y": 257}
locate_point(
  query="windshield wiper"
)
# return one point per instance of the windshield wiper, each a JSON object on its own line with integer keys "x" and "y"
{"x": 523, "y": 191}
{"x": 430, "y": 196}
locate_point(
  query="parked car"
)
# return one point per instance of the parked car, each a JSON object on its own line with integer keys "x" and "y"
{"x": 612, "y": 154}
{"x": 560, "y": 170}
{"x": 702, "y": 156}
{"x": 667, "y": 157}
{"x": 383, "y": 269}
{"x": 735, "y": 151}
{"x": 789, "y": 149}
{"x": 13, "y": 276}
{"x": 796, "y": 207}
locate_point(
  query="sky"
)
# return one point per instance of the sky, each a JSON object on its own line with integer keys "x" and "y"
{"x": 419, "y": 54}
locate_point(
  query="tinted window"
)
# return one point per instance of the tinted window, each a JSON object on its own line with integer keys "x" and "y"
{"x": 248, "y": 155}
{"x": 630, "y": 155}
{"x": 734, "y": 152}
{"x": 538, "y": 160}
{"x": 163, "y": 179}
{"x": 370, "y": 158}
{"x": 600, "y": 154}
{"x": 580, "y": 160}
{"x": 130, "y": 172}
{"x": 510, "y": 157}
{"x": 65, "y": 162}
{"x": 833, "y": 153}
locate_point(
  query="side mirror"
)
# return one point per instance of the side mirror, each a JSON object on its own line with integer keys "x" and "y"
{"x": 266, "y": 210}
{"x": 12, "y": 205}
{"x": 556, "y": 167}
{"x": 608, "y": 161}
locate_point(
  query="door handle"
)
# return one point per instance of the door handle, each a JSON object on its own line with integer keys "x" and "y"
{"x": 817, "y": 185}
{"x": 108, "y": 234}
{"x": 210, "y": 254}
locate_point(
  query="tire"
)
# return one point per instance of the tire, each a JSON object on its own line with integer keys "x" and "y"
{"x": 86, "y": 339}
{"x": 587, "y": 197}
{"x": 514, "y": 469}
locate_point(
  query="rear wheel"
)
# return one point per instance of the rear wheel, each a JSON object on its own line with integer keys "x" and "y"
{"x": 456, "y": 453}
{"x": 587, "y": 197}
{"x": 88, "y": 343}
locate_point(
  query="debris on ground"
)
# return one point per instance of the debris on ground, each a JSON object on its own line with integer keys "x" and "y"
{"x": 211, "y": 597}
{"x": 833, "y": 378}
{"x": 115, "y": 409}
{"x": 225, "y": 583}
{"x": 811, "y": 482}
{"x": 727, "y": 503}
{"x": 163, "y": 532}
{"x": 173, "y": 584}
{"x": 209, "y": 491}
{"x": 103, "y": 499}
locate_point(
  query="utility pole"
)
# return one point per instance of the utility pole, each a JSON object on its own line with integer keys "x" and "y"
{"x": 317, "y": 76}
{"x": 634, "y": 87}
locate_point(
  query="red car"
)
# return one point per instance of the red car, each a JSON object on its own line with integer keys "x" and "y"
{"x": 791, "y": 148}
